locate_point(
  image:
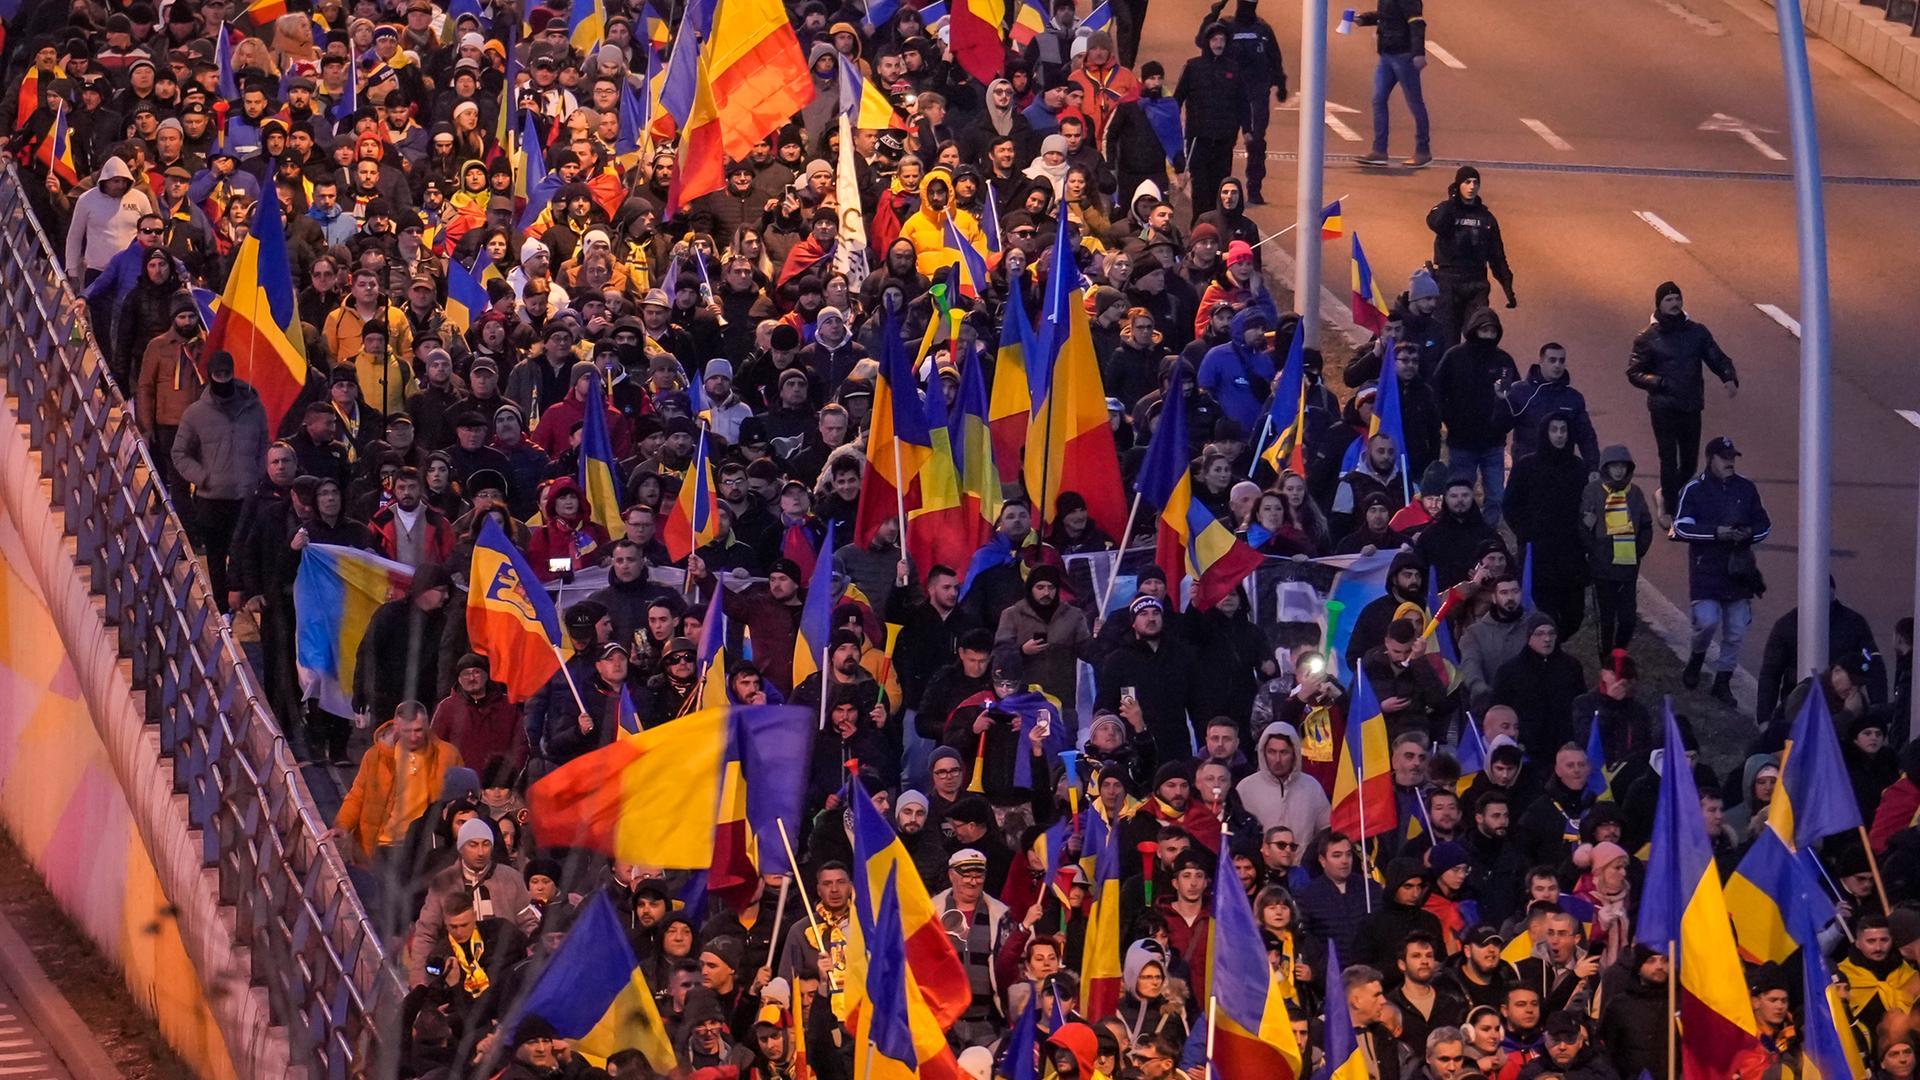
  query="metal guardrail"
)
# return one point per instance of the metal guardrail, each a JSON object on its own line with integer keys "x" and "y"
{"x": 312, "y": 947}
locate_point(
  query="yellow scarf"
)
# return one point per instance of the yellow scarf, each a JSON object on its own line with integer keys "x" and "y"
{"x": 1620, "y": 528}
{"x": 473, "y": 976}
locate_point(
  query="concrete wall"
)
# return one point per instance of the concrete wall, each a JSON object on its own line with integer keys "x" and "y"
{"x": 60, "y": 801}
{"x": 1863, "y": 32}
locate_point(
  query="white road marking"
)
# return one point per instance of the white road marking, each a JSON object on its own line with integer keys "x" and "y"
{"x": 1546, "y": 134}
{"x": 1444, "y": 56}
{"x": 1334, "y": 123}
{"x": 1747, "y": 132}
{"x": 1660, "y": 226}
{"x": 1773, "y": 311}
{"x": 1909, "y": 416}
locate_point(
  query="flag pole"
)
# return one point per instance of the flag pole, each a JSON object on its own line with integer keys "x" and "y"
{"x": 779, "y": 916}
{"x": 1873, "y": 864}
{"x": 1360, "y": 842}
{"x": 568, "y": 675}
{"x": 1673, "y": 1007}
{"x": 900, "y": 493}
{"x": 826, "y": 652}
{"x": 1213, "y": 1010}
{"x": 1287, "y": 229}
{"x": 786, "y": 842}
{"x": 1126, "y": 536}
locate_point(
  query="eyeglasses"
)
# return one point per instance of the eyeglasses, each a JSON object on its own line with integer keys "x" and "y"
{"x": 1283, "y": 845}
{"x": 680, "y": 658}
{"x": 150, "y": 232}
{"x": 946, "y": 772}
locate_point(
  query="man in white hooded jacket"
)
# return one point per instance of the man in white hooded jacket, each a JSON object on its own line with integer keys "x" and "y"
{"x": 1279, "y": 793}
{"x": 106, "y": 220}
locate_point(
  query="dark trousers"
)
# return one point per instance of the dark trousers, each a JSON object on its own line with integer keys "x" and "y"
{"x": 1616, "y": 607}
{"x": 1676, "y": 441}
{"x": 1460, "y": 294}
{"x": 213, "y": 523}
{"x": 160, "y": 444}
{"x": 1210, "y": 162}
{"x": 1128, "y": 17}
{"x": 1259, "y": 111}
{"x": 1565, "y": 602}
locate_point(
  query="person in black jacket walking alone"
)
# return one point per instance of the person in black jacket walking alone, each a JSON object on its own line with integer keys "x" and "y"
{"x": 1253, "y": 48}
{"x": 1466, "y": 246}
{"x": 1210, "y": 91}
{"x": 1401, "y": 39}
{"x": 1666, "y": 362}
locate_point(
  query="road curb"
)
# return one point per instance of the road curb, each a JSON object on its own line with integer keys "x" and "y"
{"x": 48, "y": 1009}
{"x": 1863, "y": 32}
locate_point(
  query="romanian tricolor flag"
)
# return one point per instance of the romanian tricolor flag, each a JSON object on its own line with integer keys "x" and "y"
{"x": 592, "y": 991}
{"x": 510, "y": 619}
{"x": 973, "y": 31}
{"x": 653, "y": 798}
{"x": 1100, "y": 975}
{"x": 1010, "y": 410}
{"x": 258, "y": 321}
{"x": 680, "y": 80}
{"x": 1069, "y": 443}
{"x": 335, "y": 594}
{"x": 816, "y": 617}
{"x": 898, "y": 443}
{"x": 1333, "y": 224}
{"x": 761, "y": 793}
{"x": 1191, "y": 541}
{"x": 587, "y": 24}
{"x": 937, "y": 987}
{"x": 1029, "y": 19}
{"x": 598, "y": 472}
{"x": 973, "y": 450}
{"x": 1369, "y": 305}
{"x": 1285, "y": 448}
{"x": 1363, "y": 801}
{"x": 56, "y": 150}
{"x": 260, "y": 15}
{"x": 940, "y": 530}
{"x": 466, "y": 293}
{"x": 694, "y": 520}
{"x": 1813, "y": 800}
{"x": 753, "y": 76}
{"x": 29, "y": 100}
{"x": 1252, "y": 1033}
{"x": 885, "y": 1026}
{"x": 1100, "y": 18}
{"x": 1345, "y": 1059}
{"x": 1682, "y": 905}
{"x": 862, "y": 102}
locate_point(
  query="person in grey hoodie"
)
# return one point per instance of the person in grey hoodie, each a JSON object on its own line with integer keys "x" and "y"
{"x": 1280, "y": 792}
{"x": 1496, "y": 638}
{"x": 221, "y": 449}
{"x": 1619, "y": 530}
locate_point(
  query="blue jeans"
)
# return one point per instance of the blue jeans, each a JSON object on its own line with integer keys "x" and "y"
{"x": 1731, "y": 618}
{"x": 1491, "y": 467}
{"x": 1397, "y": 68}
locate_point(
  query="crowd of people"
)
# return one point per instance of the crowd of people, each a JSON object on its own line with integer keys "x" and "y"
{"x": 737, "y": 321}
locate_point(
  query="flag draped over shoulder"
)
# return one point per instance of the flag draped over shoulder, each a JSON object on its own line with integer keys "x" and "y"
{"x": 335, "y": 593}
{"x": 652, "y": 798}
{"x": 1682, "y": 903}
{"x": 592, "y": 991}
{"x": 510, "y": 619}
{"x": 257, "y": 320}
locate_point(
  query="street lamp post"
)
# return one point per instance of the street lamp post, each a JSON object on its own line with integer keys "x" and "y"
{"x": 1313, "y": 149}
{"x": 1815, "y": 405}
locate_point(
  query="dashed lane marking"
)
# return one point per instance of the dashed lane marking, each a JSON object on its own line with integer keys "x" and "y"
{"x": 1774, "y": 312}
{"x": 1659, "y": 225}
{"x": 1546, "y": 134}
{"x": 1445, "y": 57}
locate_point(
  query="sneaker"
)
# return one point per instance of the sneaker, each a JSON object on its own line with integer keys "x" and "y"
{"x": 1420, "y": 160}
{"x": 1373, "y": 159}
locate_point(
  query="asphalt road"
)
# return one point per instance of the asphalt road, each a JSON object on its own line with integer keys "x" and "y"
{"x": 1583, "y": 117}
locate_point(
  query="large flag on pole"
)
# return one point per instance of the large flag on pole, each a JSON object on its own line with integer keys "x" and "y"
{"x": 1682, "y": 905}
{"x": 258, "y": 322}
{"x": 335, "y": 593}
{"x": 753, "y": 76}
{"x": 1252, "y": 1032}
{"x": 510, "y": 619}
{"x": 1069, "y": 444}
{"x": 1190, "y": 541}
{"x": 1363, "y": 798}
{"x": 898, "y": 442}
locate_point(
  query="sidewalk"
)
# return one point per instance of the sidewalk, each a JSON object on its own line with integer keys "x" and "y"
{"x": 1864, "y": 32}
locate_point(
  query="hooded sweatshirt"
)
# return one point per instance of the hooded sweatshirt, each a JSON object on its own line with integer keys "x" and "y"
{"x": 1240, "y": 378}
{"x": 1295, "y": 800}
{"x": 1616, "y": 521}
{"x": 1476, "y": 417}
{"x": 103, "y": 225}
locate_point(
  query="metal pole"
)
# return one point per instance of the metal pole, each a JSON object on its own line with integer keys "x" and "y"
{"x": 1815, "y": 404}
{"x": 1313, "y": 151}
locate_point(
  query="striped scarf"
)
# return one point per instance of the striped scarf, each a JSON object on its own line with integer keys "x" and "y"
{"x": 1620, "y": 528}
